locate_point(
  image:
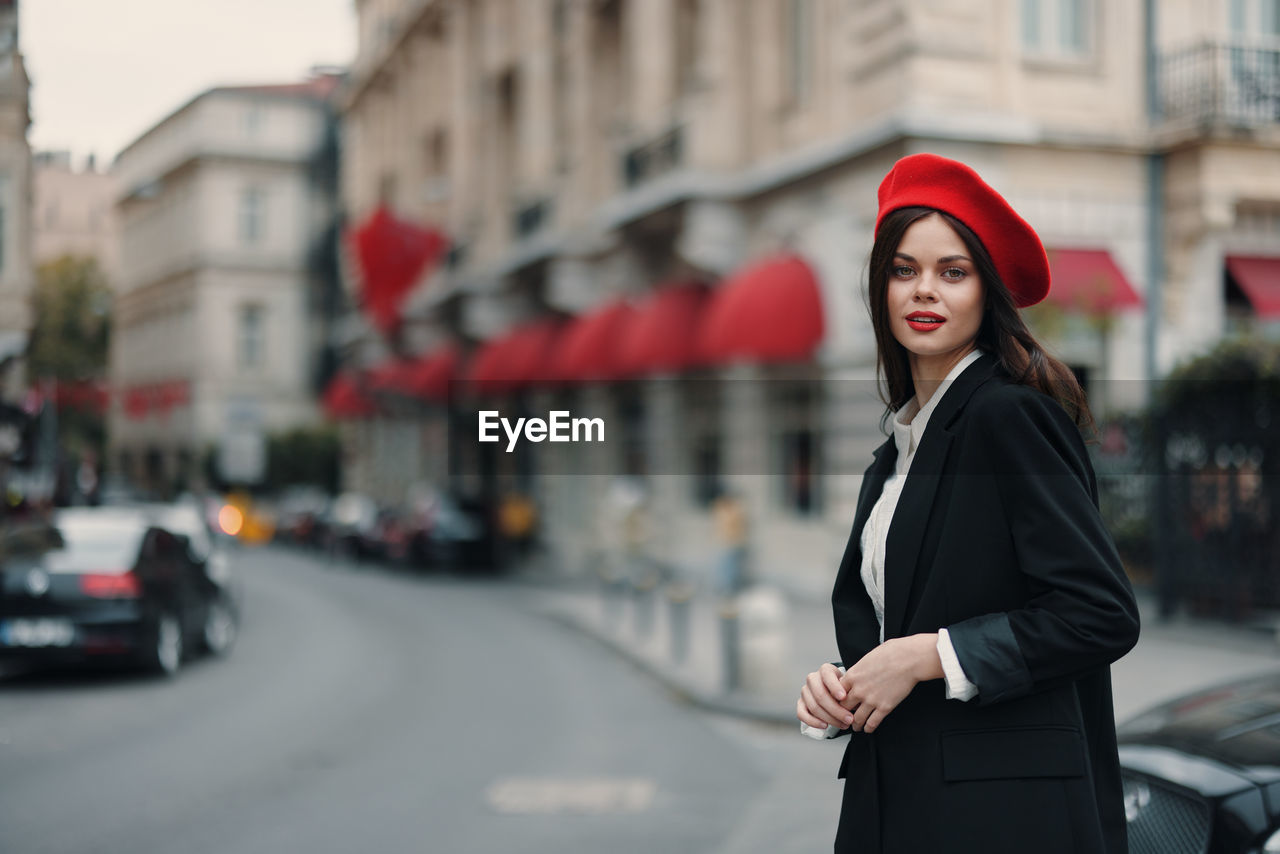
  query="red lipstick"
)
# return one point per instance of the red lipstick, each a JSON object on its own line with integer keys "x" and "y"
{"x": 925, "y": 321}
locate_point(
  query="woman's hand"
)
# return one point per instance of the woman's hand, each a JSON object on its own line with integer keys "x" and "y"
{"x": 820, "y": 700}
{"x": 885, "y": 676}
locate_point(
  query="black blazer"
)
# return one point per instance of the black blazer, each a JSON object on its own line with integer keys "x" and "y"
{"x": 997, "y": 538}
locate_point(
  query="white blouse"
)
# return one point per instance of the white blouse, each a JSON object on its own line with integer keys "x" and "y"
{"x": 908, "y": 429}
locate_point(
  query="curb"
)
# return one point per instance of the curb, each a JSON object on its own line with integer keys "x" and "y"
{"x": 737, "y": 704}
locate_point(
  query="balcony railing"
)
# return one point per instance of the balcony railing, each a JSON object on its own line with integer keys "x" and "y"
{"x": 1221, "y": 83}
{"x": 658, "y": 156}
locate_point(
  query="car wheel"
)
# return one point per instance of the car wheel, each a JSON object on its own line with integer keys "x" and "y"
{"x": 220, "y": 627}
{"x": 166, "y": 653}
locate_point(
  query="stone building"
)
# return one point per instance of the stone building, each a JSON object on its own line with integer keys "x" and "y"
{"x": 17, "y": 276}
{"x": 220, "y": 210}
{"x": 74, "y": 212}
{"x": 585, "y": 154}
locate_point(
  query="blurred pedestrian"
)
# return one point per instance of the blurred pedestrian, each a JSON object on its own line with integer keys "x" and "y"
{"x": 980, "y": 600}
{"x": 730, "y": 519}
{"x": 517, "y": 521}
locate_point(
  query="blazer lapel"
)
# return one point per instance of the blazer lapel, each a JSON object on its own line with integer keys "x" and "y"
{"x": 872, "y": 485}
{"x": 912, "y": 515}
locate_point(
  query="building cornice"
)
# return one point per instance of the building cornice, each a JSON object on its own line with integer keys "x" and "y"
{"x": 794, "y": 166}
{"x": 363, "y": 74}
{"x": 255, "y": 93}
{"x": 144, "y": 189}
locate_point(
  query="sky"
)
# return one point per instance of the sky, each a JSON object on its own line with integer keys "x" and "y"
{"x": 104, "y": 71}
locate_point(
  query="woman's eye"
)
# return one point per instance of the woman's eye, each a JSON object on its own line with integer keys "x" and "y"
{"x": 959, "y": 274}
{"x": 903, "y": 271}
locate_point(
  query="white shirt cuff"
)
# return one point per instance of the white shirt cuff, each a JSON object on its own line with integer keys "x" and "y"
{"x": 818, "y": 733}
{"x": 958, "y": 685}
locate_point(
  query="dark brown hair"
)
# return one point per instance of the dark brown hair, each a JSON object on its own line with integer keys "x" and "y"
{"x": 1003, "y": 331}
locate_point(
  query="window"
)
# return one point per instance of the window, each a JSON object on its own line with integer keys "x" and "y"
{"x": 560, "y": 63}
{"x": 686, "y": 42}
{"x": 631, "y": 429}
{"x": 1255, "y": 61}
{"x": 801, "y": 43}
{"x": 252, "y": 215}
{"x": 436, "y": 154}
{"x": 254, "y": 118}
{"x": 795, "y": 413}
{"x": 1056, "y": 29}
{"x": 1255, "y": 18}
{"x": 701, "y": 425}
{"x": 4, "y": 221}
{"x": 609, "y": 66}
{"x": 507, "y": 90}
{"x": 251, "y": 336}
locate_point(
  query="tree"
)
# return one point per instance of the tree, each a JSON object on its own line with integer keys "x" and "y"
{"x": 72, "y": 304}
{"x": 69, "y": 344}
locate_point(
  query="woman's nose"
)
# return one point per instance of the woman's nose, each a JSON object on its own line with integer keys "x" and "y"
{"x": 925, "y": 288}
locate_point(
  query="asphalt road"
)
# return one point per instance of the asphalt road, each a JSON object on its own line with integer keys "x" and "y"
{"x": 370, "y": 711}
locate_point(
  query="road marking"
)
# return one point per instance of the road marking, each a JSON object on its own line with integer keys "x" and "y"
{"x": 587, "y": 795}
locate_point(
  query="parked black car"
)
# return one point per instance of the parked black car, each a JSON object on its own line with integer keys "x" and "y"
{"x": 137, "y": 585}
{"x": 446, "y": 532}
{"x": 1202, "y": 773}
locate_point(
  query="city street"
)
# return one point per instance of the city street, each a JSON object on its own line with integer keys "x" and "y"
{"x": 370, "y": 710}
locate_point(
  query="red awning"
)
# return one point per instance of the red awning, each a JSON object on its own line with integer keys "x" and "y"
{"x": 136, "y": 403}
{"x": 390, "y": 375}
{"x": 770, "y": 312}
{"x": 343, "y": 398}
{"x": 589, "y": 348}
{"x": 391, "y": 254}
{"x": 662, "y": 336}
{"x": 1259, "y": 278}
{"x": 1088, "y": 280}
{"x": 83, "y": 395}
{"x": 429, "y": 376}
{"x": 515, "y": 359}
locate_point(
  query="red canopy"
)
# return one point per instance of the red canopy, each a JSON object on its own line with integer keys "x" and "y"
{"x": 84, "y": 395}
{"x": 516, "y": 359}
{"x": 663, "y": 334}
{"x": 343, "y": 398}
{"x": 1088, "y": 280}
{"x": 136, "y": 404}
{"x": 1259, "y": 278}
{"x": 770, "y": 312}
{"x": 392, "y": 254}
{"x": 590, "y": 347}
{"x": 390, "y": 375}
{"x": 429, "y": 375}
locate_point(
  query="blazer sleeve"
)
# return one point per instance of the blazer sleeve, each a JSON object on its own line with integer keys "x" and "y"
{"x": 1080, "y": 613}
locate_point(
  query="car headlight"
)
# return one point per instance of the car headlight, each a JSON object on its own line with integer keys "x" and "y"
{"x": 1272, "y": 845}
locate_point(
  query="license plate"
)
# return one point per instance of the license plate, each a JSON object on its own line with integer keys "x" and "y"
{"x": 35, "y": 633}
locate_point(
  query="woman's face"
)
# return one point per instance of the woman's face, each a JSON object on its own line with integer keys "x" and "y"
{"x": 935, "y": 295}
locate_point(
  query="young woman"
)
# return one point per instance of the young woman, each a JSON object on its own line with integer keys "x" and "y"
{"x": 980, "y": 600}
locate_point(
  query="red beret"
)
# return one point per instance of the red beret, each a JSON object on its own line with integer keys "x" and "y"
{"x": 930, "y": 181}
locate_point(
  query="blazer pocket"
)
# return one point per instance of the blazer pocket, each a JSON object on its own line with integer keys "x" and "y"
{"x": 997, "y": 754}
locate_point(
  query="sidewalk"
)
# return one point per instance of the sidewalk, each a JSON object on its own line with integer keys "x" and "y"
{"x": 784, "y": 637}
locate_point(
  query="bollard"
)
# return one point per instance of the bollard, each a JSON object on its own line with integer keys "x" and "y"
{"x": 645, "y": 588}
{"x": 679, "y": 595}
{"x": 730, "y": 654}
{"x": 611, "y": 593}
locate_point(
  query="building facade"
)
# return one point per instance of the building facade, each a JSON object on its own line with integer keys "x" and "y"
{"x": 74, "y": 212}
{"x": 17, "y": 276}
{"x": 585, "y": 152}
{"x": 220, "y": 212}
